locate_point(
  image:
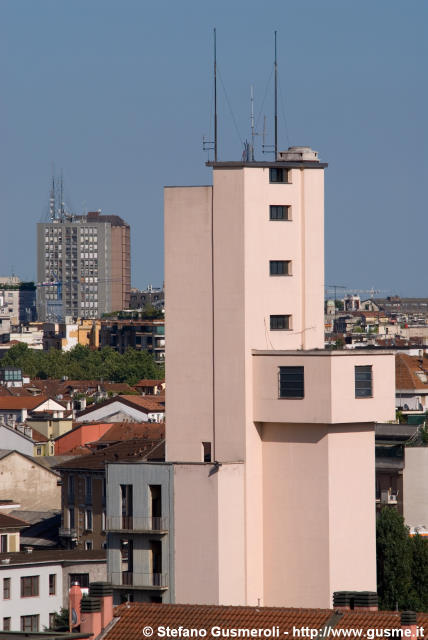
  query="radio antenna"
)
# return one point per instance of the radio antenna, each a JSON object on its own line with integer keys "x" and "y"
{"x": 211, "y": 145}
{"x": 276, "y": 104}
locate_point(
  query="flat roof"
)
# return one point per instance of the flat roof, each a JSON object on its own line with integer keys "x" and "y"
{"x": 325, "y": 353}
{"x": 300, "y": 164}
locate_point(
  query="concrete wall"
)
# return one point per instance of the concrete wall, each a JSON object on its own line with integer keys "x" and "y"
{"x": 97, "y": 571}
{"x": 188, "y": 321}
{"x": 415, "y": 483}
{"x": 329, "y": 381}
{"x": 30, "y": 484}
{"x": 316, "y": 479}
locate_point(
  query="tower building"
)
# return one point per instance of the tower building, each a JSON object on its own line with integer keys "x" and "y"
{"x": 87, "y": 259}
{"x": 267, "y": 495}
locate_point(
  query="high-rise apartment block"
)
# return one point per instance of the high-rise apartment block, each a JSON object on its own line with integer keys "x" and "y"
{"x": 267, "y": 494}
{"x": 87, "y": 259}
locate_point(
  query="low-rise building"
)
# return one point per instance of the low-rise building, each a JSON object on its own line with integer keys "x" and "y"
{"x": 123, "y": 408}
{"x": 35, "y": 585}
{"x": 30, "y": 483}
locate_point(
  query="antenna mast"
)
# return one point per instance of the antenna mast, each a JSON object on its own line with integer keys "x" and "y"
{"x": 252, "y": 123}
{"x": 215, "y": 95}
{"x": 276, "y": 104}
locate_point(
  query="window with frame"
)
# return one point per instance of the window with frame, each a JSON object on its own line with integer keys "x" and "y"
{"x": 29, "y": 586}
{"x": 6, "y": 588}
{"x": 88, "y": 520}
{"x": 363, "y": 381}
{"x": 291, "y": 382}
{"x": 30, "y": 623}
{"x": 6, "y": 624}
{"x": 52, "y": 584}
{"x": 3, "y": 539}
{"x": 280, "y": 323}
{"x": 280, "y": 267}
{"x": 279, "y": 212}
{"x": 81, "y": 578}
{"x": 52, "y": 620}
{"x": 88, "y": 489}
{"x": 278, "y": 174}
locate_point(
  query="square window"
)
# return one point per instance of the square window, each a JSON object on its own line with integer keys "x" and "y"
{"x": 29, "y": 586}
{"x": 363, "y": 382}
{"x": 280, "y": 323}
{"x": 291, "y": 382}
{"x": 279, "y": 212}
{"x": 30, "y": 623}
{"x": 280, "y": 267}
{"x": 277, "y": 174}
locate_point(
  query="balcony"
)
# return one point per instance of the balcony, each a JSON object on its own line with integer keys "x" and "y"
{"x": 387, "y": 496}
{"x": 149, "y": 581}
{"x": 154, "y": 524}
{"x": 66, "y": 532}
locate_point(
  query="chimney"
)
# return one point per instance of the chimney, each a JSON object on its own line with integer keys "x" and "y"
{"x": 103, "y": 591}
{"x": 355, "y": 600}
{"x": 74, "y": 599}
{"x": 408, "y": 624}
{"x": 90, "y": 618}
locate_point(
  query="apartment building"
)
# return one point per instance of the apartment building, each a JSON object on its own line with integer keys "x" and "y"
{"x": 276, "y": 435}
{"x": 18, "y": 300}
{"x": 87, "y": 258}
{"x": 142, "y": 335}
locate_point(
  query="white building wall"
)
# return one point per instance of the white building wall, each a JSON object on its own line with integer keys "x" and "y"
{"x": 41, "y": 605}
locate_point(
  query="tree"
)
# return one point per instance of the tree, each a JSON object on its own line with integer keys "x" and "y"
{"x": 394, "y": 560}
{"x": 419, "y": 568}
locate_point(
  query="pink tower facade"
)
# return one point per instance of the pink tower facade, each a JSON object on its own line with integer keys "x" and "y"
{"x": 271, "y": 437}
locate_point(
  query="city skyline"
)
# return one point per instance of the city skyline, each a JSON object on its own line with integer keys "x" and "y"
{"x": 119, "y": 97}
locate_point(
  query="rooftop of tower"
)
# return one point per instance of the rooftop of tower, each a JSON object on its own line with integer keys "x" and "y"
{"x": 294, "y": 157}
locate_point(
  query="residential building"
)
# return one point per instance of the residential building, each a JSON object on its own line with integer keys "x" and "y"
{"x": 276, "y": 434}
{"x": 150, "y": 387}
{"x": 142, "y": 335}
{"x": 66, "y": 335}
{"x": 97, "y": 435}
{"x": 152, "y": 296}
{"x": 29, "y": 482}
{"x": 87, "y": 258}
{"x": 10, "y": 528}
{"x": 15, "y": 409}
{"x": 19, "y": 300}
{"x": 34, "y": 586}
{"x": 124, "y": 407}
{"x": 84, "y": 490}
{"x": 17, "y": 440}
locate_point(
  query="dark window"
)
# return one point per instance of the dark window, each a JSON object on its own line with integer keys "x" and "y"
{"x": 291, "y": 382}
{"x": 82, "y": 580}
{"x": 29, "y": 586}
{"x": 88, "y": 520}
{"x": 52, "y": 618}
{"x": 127, "y": 505}
{"x": 279, "y": 323}
{"x": 280, "y": 267}
{"x": 6, "y": 624}
{"x": 277, "y": 174}
{"x": 206, "y": 448}
{"x": 4, "y": 543}
{"x": 52, "y": 584}
{"x": 279, "y": 212}
{"x": 363, "y": 382}
{"x": 30, "y": 623}
{"x": 6, "y": 588}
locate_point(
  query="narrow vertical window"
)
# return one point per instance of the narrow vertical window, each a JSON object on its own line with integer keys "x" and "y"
{"x": 363, "y": 382}
{"x": 206, "y": 451}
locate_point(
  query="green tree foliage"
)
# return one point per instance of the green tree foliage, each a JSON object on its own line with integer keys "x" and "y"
{"x": 402, "y": 564}
{"x": 82, "y": 363}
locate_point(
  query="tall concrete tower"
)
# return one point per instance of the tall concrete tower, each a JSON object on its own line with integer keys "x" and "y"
{"x": 267, "y": 495}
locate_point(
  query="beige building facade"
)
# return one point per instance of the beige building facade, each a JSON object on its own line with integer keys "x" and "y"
{"x": 273, "y": 482}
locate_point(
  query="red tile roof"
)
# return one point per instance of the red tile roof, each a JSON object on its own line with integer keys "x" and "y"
{"x": 128, "y": 430}
{"x": 133, "y": 617}
{"x": 410, "y": 372}
{"x": 20, "y": 402}
{"x": 39, "y": 437}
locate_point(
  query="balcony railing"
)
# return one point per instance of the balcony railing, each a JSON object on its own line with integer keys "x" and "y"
{"x": 387, "y": 496}
{"x": 136, "y": 523}
{"x": 142, "y": 580}
{"x": 66, "y": 532}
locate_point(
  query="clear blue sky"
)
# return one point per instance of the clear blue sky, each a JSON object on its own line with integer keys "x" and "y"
{"x": 118, "y": 94}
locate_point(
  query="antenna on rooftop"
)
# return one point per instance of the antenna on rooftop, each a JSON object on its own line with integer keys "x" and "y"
{"x": 209, "y": 145}
{"x": 276, "y": 103}
{"x": 269, "y": 148}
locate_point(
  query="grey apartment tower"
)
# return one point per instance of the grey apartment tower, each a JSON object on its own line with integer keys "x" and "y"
{"x": 83, "y": 266}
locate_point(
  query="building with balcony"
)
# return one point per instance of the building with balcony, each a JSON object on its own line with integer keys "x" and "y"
{"x": 142, "y": 335}
{"x": 276, "y": 435}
